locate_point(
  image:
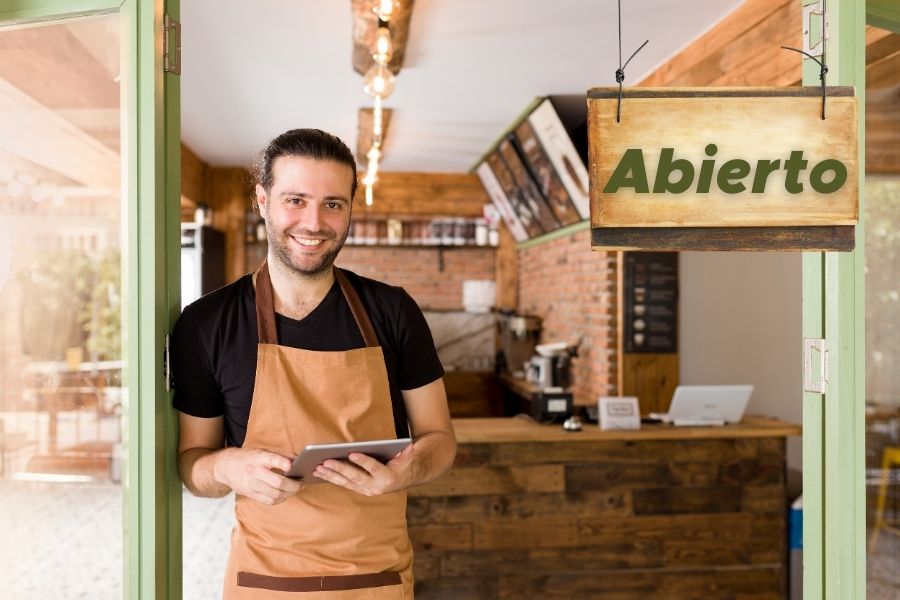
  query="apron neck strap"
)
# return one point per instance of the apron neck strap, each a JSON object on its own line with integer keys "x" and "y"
{"x": 265, "y": 308}
{"x": 357, "y": 308}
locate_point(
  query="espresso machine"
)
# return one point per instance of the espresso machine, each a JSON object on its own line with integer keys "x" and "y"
{"x": 551, "y": 367}
{"x": 550, "y": 371}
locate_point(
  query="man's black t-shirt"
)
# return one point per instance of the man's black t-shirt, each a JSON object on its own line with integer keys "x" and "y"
{"x": 214, "y": 347}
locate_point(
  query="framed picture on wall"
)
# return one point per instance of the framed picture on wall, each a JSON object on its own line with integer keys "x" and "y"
{"x": 526, "y": 185}
{"x": 501, "y": 201}
{"x": 545, "y": 175}
{"x": 555, "y": 137}
{"x": 517, "y": 200}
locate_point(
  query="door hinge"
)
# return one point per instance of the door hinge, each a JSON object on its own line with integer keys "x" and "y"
{"x": 171, "y": 45}
{"x": 167, "y": 366}
{"x": 816, "y": 9}
{"x": 812, "y": 384}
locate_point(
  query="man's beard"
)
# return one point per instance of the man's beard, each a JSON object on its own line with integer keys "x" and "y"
{"x": 283, "y": 254}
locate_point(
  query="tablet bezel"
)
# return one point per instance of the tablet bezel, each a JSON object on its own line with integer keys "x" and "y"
{"x": 315, "y": 454}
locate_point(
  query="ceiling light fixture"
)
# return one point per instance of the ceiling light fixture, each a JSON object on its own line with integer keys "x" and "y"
{"x": 380, "y": 31}
{"x": 384, "y": 9}
{"x": 378, "y": 82}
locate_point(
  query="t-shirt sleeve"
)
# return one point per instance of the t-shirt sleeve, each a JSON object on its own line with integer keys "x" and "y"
{"x": 418, "y": 362}
{"x": 196, "y": 390}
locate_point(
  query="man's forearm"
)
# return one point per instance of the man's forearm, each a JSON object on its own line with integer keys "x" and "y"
{"x": 433, "y": 455}
{"x": 197, "y": 469}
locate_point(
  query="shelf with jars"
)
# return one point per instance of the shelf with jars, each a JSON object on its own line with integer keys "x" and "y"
{"x": 437, "y": 232}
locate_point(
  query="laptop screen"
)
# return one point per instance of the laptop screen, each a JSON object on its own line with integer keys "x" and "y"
{"x": 710, "y": 402}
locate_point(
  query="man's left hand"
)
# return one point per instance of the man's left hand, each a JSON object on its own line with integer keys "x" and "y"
{"x": 365, "y": 475}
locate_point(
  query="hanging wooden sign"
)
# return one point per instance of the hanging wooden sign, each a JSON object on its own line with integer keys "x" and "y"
{"x": 723, "y": 169}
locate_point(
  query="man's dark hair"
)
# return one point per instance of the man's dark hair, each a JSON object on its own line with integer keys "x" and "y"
{"x": 304, "y": 143}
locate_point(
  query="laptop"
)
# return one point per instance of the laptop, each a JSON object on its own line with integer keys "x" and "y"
{"x": 694, "y": 405}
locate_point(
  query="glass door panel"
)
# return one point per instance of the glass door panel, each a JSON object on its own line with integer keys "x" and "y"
{"x": 883, "y": 318}
{"x": 62, "y": 216}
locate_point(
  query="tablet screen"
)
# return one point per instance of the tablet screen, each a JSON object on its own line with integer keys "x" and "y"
{"x": 315, "y": 454}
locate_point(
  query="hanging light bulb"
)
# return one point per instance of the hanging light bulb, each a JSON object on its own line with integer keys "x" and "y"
{"x": 377, "y": 119}
{"x": 384, "y": 45}
{"x": 384, "y": 9}
{"x": 372, "y": 172}
{"x": 378, "y": 81}
{"x": 374, "y": 154}
{"x": 368, "y": 195}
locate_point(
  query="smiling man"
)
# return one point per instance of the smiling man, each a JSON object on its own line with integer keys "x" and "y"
{"x": 300, "y": 353}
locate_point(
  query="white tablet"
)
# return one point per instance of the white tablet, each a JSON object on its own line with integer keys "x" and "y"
{"x": 315, "y": 454}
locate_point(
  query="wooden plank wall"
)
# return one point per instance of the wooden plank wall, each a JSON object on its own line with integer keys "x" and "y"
{"x": 426, "y": 194}
{"x": 624, "y": 520}
{"x": 744, "y": 49}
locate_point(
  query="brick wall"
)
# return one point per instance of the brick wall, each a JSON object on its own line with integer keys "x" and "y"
{"x": 417, "y": 269}
{"x": 573, "y": 290}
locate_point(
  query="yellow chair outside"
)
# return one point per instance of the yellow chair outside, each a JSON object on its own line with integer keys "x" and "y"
{"x": 889, "y": 458}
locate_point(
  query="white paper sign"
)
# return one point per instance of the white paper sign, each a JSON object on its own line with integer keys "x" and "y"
{"x": 619, "y": 412}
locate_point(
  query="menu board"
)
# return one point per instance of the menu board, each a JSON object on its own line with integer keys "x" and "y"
{"x": 526, "y": 185}
{"x": 498, "y": 196}
{"x": 548, "y": 181}
{"x": 559, "y": 148}
{"x": 515, "y": 195}
{"x": 651, "y": 302}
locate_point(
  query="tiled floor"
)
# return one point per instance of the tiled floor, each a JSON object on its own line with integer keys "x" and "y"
{"x": 64, "y": 542}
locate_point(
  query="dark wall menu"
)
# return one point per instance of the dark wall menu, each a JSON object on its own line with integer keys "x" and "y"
{"x": 651, "y": 302}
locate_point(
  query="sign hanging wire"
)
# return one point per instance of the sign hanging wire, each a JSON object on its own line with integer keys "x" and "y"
{"x": 620, "y": 72}
{"x": 823, "y": 68}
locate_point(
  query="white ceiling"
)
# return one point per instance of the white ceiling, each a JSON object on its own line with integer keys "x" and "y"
{"x": 254, "y": 69}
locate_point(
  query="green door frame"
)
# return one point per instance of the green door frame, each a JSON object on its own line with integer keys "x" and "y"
{"x": 833, "y": 304}
{"x": 151, "y": 266}
{"x": 834, "y": 309}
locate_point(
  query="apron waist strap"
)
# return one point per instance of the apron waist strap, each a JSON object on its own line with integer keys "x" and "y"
{"x": 324, "y": 583}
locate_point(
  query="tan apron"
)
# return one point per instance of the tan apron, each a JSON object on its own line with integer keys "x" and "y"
{"x": 326, "y": 542}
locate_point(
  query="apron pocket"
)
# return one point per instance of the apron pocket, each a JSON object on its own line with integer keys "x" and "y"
{"x": 324, "y": 583}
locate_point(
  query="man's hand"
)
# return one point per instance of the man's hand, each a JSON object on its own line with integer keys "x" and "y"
{"x": 366, "y": 476}
{"x": 426, "y": 459}
{"x": 256, "y": 474}
{"x": 210, "y": 470}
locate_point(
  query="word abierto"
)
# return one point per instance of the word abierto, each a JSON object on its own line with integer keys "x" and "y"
{"x": 731, "y": 177}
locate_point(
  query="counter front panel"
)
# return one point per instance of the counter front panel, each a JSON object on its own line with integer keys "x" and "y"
{"x": 536, "y": 512}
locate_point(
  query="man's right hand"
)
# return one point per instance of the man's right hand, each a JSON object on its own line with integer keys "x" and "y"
{"x": 256, "y": 474}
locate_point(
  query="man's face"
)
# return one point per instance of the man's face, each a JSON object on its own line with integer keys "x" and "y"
{"x": 307, "y": 212}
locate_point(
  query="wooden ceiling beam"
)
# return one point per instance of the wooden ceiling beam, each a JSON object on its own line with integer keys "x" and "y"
{"x": 31, "y": 131}
{"x": 364, "y": 25}
{"x": 364, "y": 132}
{"x": 424, "y": 195}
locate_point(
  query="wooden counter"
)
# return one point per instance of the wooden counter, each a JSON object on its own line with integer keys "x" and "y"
{"x": 532, "y": 511}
